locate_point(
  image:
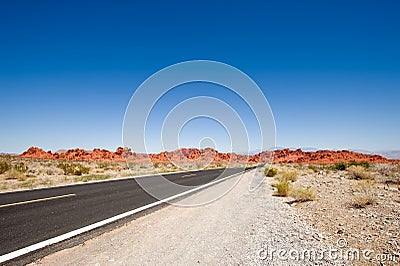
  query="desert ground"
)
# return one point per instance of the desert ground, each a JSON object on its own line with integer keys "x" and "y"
{"x": 358, "y": 204}
{"x": 347, "y": 207}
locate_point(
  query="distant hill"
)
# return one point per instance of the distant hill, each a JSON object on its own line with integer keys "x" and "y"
{"x": 394, "y": 155}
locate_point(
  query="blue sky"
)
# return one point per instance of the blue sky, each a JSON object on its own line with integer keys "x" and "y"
{"x": 329, "y": 69}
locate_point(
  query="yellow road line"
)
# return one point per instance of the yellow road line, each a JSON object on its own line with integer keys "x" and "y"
{"x": 188, "y": 175}
{"x": 37, "y": 200}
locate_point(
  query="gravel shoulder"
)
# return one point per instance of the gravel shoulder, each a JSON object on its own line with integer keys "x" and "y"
{"x": 242, "y": 227}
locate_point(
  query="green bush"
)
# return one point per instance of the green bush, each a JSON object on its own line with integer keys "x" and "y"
{"x": 4, "y": 167}
{"x": 73, "y": 169}
{"x": 313, "y": 167}
{"x": 20, "y": 167}
{"x": 270, "y": 172}
{"x": 363, "y": 164}
{"x": 158, "y": 164}
{"x": 341, "y": 166}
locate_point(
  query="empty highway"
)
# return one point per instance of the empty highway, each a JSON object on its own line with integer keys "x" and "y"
{"x": 29, "y": 217}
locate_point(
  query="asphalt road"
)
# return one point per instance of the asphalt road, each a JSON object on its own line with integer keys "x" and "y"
{"x": 29, "y": 217}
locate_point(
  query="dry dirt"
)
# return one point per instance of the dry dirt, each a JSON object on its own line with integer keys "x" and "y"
{"x": 338, "y": 215}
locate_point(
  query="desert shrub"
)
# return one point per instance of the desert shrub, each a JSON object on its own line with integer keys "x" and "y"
{"x": 20, "y": 167}
{"x": 362, "y": 201}
{"x": 363, "y": 164}
{"x": 4, "y": 167}
{"x": 80, "y": 170}
{"x": 73, "y": 169}
{"x": 358, "y": 172}
{"x": 220, "y": 165}
{"x": 364, "y": 194}
{"x": 365, "y": 185}
{"x": 107, "y": 165}
{"x": 387, "y": 169}
{"x": 289, "y": 176}
{"x": 270, "y": 172}
{"x": 341, "y": 166}
{"x": 302, "y": 194}
{"x": 313, "y": 167}
{"x": 283, "y": 189}
{"x": 103, "y": 165}
{"x": 158, "y": 164}
{"x": 14, "y": 174}
{"x": 50, "y": 171}
{"x": 66, "y": 167}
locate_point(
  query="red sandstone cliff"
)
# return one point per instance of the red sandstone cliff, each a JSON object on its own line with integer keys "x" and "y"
{"x": 205, "y": 155}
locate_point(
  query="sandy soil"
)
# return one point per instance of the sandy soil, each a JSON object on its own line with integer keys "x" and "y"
{"x": 373, "y": 227}
{"x": 240, "y": 228}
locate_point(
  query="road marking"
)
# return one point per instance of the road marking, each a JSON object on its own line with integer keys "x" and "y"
{"x": 37, "y": 200}
{"x": 54, "y": 240}
{"x": 187, "y": 175}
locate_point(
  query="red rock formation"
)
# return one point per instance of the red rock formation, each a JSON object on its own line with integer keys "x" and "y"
{"x": 206, "y": 155}
{"x": 324, "y": 157}
{"x": 35, "y": 152}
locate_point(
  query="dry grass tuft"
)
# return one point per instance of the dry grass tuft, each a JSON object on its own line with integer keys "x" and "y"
{"x": 289, "y": 176}
{"x": 15, "y": 174}
{"x": 364, "y": 194}
{"x": 358, "y": 172}
{"x": 303, "y": 194}
{"x": 73, "y": 168}
{"x": 283, "y": 189}
{"x": 362, "y": 201}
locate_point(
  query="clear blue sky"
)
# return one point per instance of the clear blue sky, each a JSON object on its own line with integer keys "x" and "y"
{"x": 330, "y": 69}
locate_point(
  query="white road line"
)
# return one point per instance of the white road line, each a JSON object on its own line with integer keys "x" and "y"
{"x": 37, "y": 200}
{"x": 51, "y": 241}
{"x": 188, "y": 175}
